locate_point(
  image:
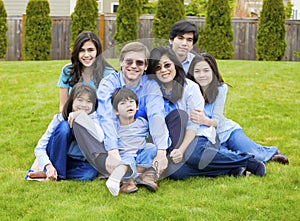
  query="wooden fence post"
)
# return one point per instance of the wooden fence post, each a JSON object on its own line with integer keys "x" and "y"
{"x": 23, "y": 35}
{"x": 102, "y": 30}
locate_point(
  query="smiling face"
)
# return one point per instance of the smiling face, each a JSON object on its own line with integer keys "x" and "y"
{"x": 165, "y": 71}
{"x": 203, "y": 74}
{"x": 133, "y": 66}
{"x": 126, "y": 111}
{"x": 83, "y": 102}
{"x": 87, "y": 54}
{"x": 182, "y": 45}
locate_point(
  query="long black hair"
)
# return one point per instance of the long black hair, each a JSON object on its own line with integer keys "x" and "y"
{"x": 77, "y": 90}
{"x": 76, "y": 68}
{"x": 178, "y": 81}
{"x": 212, "y": 90}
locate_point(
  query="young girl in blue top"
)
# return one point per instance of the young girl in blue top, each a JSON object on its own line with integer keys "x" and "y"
{"x": 57, "y": 151}
{"x": 204, "y": 71}
{"x": 88, "y": 65}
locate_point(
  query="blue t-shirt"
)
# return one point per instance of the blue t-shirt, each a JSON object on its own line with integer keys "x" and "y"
{"x": 65, "y": 75}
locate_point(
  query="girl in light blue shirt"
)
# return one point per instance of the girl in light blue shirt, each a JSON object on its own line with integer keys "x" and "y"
{"x": 204, "y": 71}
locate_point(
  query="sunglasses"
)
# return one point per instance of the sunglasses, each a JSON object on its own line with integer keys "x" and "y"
{"x": 129, "y": 62}
{"x": 166, "y": 66}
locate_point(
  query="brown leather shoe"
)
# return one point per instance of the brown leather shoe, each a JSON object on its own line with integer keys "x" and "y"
{"x": 148, "y": 179}
{"x": 280, "y": 158}
{"x": 128, "y": 186}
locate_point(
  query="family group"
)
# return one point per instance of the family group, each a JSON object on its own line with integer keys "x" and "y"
{"x": 160, "y": 116}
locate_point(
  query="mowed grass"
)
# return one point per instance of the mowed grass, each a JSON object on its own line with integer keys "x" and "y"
{"x": 264, "y": 99}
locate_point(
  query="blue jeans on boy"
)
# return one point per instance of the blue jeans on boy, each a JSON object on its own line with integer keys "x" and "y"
{"x": 144, "y": 158}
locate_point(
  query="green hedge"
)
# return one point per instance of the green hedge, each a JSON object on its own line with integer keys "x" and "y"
{"x": 270, "y": 39}
{"x": 217, "y": 36}
{"x": 38, "y": 30}
{"x": 84, "y": 18}
{"x": 168, "y": 12}
{"x": 3, "y": 30}
{"x": 127, "y": 21}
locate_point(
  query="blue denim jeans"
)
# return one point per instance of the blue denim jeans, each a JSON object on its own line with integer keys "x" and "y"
{"x": 202, "y": 158}
{"x": 240, "y": 143}
{"x": 144, "y": 158}
{"x": 57, "y": 149}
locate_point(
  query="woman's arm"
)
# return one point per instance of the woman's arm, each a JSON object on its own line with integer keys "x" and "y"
{"x": 198, "y": 116}
{"x": 63, "y": 97}
{"x": 215, "y": 111}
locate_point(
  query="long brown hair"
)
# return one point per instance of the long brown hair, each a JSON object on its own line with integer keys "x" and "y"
{"x": 212, "y": 90}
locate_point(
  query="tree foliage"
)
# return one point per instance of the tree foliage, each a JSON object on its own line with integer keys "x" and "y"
{"x": 270, "y": 39}
{"x": 150, "y": 8}
{"x": 127, "y": 21}
{"x": 217, "y": 36}
{"x": 196, "y": 8}
{"x": 288, "y": 9}
{"x": 167, "y": 13}
{"x": 38, "y": 30}
{"x": 84, "y": 18}
{"x": 3, "y": 30}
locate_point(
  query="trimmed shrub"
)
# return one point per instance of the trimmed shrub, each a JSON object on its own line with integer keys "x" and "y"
{"x": 288, "y": 9}
{"x": 84, "y": 18}
{"x": 217, "y": 36}
{"x": 126, "y": 22}
{"x": 270, "y": 39}
{"x": 3, "y": 30}
{"x": 150, "y": 8}
{"x": 38, "y": 30}
{"x": 168, "y": 12}
{"x": 196, "y": 8}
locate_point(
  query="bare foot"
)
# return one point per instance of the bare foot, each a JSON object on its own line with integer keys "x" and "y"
{"x": 37, "y": 174}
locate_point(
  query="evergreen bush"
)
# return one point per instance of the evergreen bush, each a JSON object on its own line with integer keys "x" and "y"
{"x": 3, "y": 30}
{"x": 150, "y": 8}
{"x": 217, "y": 35}
{"x": 270, "y": 39}
{"x": 84, "y": 18}
{"x": 126, "y": 22}
{"x": 168, "y": 12}
{"x": 196, "y": 8}
{"x": 38, "y": 30}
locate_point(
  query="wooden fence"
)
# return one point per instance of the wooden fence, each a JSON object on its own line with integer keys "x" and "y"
{"x": 245, "y": 30}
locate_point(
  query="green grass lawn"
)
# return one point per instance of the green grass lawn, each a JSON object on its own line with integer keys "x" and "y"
{"x": 265, "y": 100}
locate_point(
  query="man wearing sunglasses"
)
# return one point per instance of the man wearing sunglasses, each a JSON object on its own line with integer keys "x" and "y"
{"x": 182, "y": 38}
{"x": 133, "y": 62}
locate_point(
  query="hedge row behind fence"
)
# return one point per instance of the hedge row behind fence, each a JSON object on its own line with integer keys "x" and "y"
{"x": 245, "y": 31}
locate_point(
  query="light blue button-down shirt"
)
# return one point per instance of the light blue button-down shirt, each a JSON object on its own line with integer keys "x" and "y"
{"x": 151, "y": 107}
{"x": 216, "y": 111}
{"x": 186, "y": 63}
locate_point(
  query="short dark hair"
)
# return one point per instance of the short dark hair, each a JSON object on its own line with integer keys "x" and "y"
{"x": 181, "y": 27}
{"x": 122, "y": 94}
